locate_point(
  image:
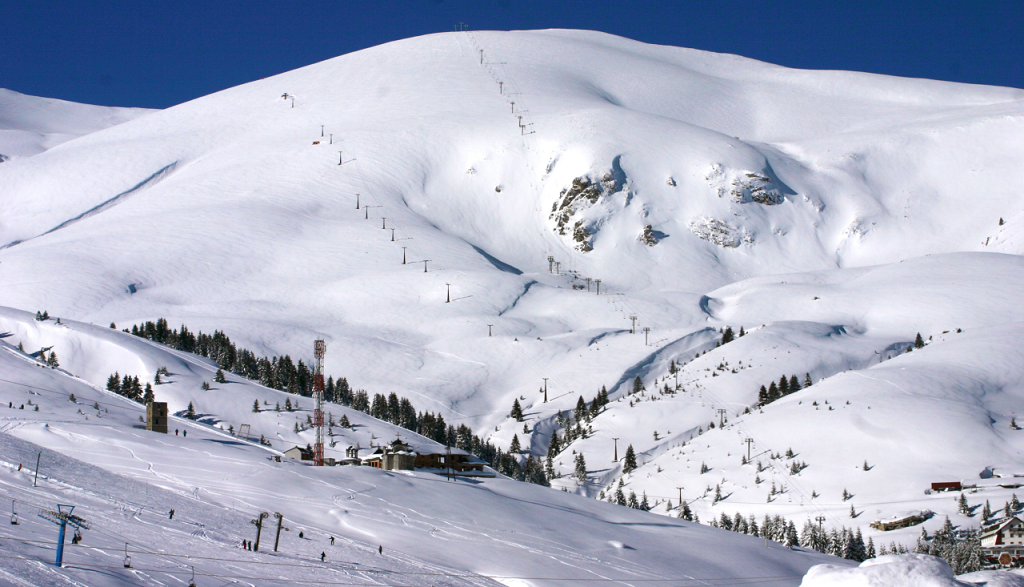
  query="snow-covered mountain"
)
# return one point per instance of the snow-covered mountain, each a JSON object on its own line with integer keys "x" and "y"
{"x": 31, "y": 125}
{"x": 441, "y": 208}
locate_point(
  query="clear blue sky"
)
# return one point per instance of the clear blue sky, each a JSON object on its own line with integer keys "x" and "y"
{"x": 157, "y": 53}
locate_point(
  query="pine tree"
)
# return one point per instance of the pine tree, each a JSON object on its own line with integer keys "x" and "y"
{"x": 191, "y": 412}
{"x": 783, "y": 386}
{"x": 629, "y": 462}
{"x": 962, "y": 507}
{"x": 633, "y": 503}
{"x": 918, "y": 342}
{"x": 773, "y": 392}
{"x": 807, "y": 381}
{"x": 72, "y": 398}
{"x": 986, "y": 513}
{"x": 620, "y": 498}
{"x": 685, "y": 513}
{"x": 794, "y": 384}
{"x": 718, "y": 494}
{"x": 515, "y": 448}
{"x": 287, "y": 404}
{"x": 219, "y": 377}
{"x": 870, "y": 552}
{"x": 148, "y": 397}
{"x": 555, "y": 446}
{"x": 853, "y": 512}
{"x": 517, "y": 411}
{"x": 581, "y": 469}
{"x": 762, "y": 397}
{"x": 638, "y": 385}
{"x": 344, "y": 423}
{"x": 256, "y": 406}
{"x": 1014, "y": 503}
{"x": 52, "y": 360}
{"x": 728, "y": 335}
{"x": 205, "y": 386}
{"x": 156, "y": 379}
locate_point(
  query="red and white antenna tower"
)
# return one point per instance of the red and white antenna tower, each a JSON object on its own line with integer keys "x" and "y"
{"x": 319, "y": 348}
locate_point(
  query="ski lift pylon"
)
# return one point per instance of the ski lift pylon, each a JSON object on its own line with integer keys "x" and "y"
{"x": 192, "y": 582}
{"x": 14, "y": 513}
{"x": 127, "y": 559}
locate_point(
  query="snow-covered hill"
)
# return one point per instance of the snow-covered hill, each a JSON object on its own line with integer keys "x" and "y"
{"x": 402, "y": 527}
{"x": 31, "y": 125}
{"x": 488, "y": 180}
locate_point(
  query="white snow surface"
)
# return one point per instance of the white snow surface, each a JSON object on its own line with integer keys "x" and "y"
{"x": 832, "y": 215}
{"x": 97, "y": 456}
{"x": 907, "y": 570}
{"x": 31, "y": 125}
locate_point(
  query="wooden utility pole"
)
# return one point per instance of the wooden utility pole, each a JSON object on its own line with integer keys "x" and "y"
{"x": 341, "y": 157}
{"x": 616, "y": 459}
{"x": 403, "y": 255}
{"x": 545, "y": 390}
{"x": 749, "y": 442}
{"x": 258, "y": 522}
{"x": 383, "y": 222}
{"x": 680, "y": 496}
{"x": 280, "y": 525}
{"x": 332, "y": 138}
{"x": 357, "y": 201}
{"x": 489, "y": 329}
{"x": 425, "y": 261}
{"x": 35, "y": 481}
{"x": 321, "y": 131}
{"x": 392, "y": 235}
{"x": 448, "y": 300}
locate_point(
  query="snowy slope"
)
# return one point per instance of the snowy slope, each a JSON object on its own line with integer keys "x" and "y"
{"x": 430, "y": 529}
{"x": 832, "y": 214}
{"x": 31, "y": 125}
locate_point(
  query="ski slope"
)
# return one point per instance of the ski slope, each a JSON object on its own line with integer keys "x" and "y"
{"x": 31, "y": 125}
{"x": 832, "y": 215}
{"x": 124, "y": 480}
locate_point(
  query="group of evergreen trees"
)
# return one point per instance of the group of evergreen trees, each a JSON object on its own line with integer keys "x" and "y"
{"x": 286, "y": 375}
{"x": 573, "y": 425}
{"x": 619, "y": 497}
{"x": 845, "y": 543}
{"x": 130, "y": 387}
{"x": 962, "y": 550}
{"x": 785, "y": 387}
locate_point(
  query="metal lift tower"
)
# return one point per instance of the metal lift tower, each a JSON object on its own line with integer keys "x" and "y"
{"x": 319, "y": 348}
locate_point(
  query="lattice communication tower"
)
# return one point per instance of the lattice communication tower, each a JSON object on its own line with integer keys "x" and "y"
{"x": 319, "y": 348}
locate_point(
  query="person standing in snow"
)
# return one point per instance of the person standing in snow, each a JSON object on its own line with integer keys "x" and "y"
{"x": 171, "y": 515}
{"x": 184, "y": 433}
{"x": 380, "y": 549}
{"x": 175, "y": 431}
{"x": 323, "y": 555}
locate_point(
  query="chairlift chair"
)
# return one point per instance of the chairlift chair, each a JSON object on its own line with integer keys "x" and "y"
{"x": 127, "y": 559}
{"x": 14, "y": 513}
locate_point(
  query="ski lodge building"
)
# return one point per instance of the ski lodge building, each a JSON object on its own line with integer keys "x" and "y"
{"x": 1005, "y": 537}
{"x": 400, "y": 456}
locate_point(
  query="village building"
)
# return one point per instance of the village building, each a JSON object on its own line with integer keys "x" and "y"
{"x": 299, "y": 453}
{"x": 399, "y": 455}
{"x": 156, "y": 417}
{"x": 1007, "y": 536}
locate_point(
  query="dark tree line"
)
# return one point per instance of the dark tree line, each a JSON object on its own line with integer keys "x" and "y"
{"x": 283, "y": 374}
{"x": 130, "y": 387}
{"x": 784, "y": 387}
